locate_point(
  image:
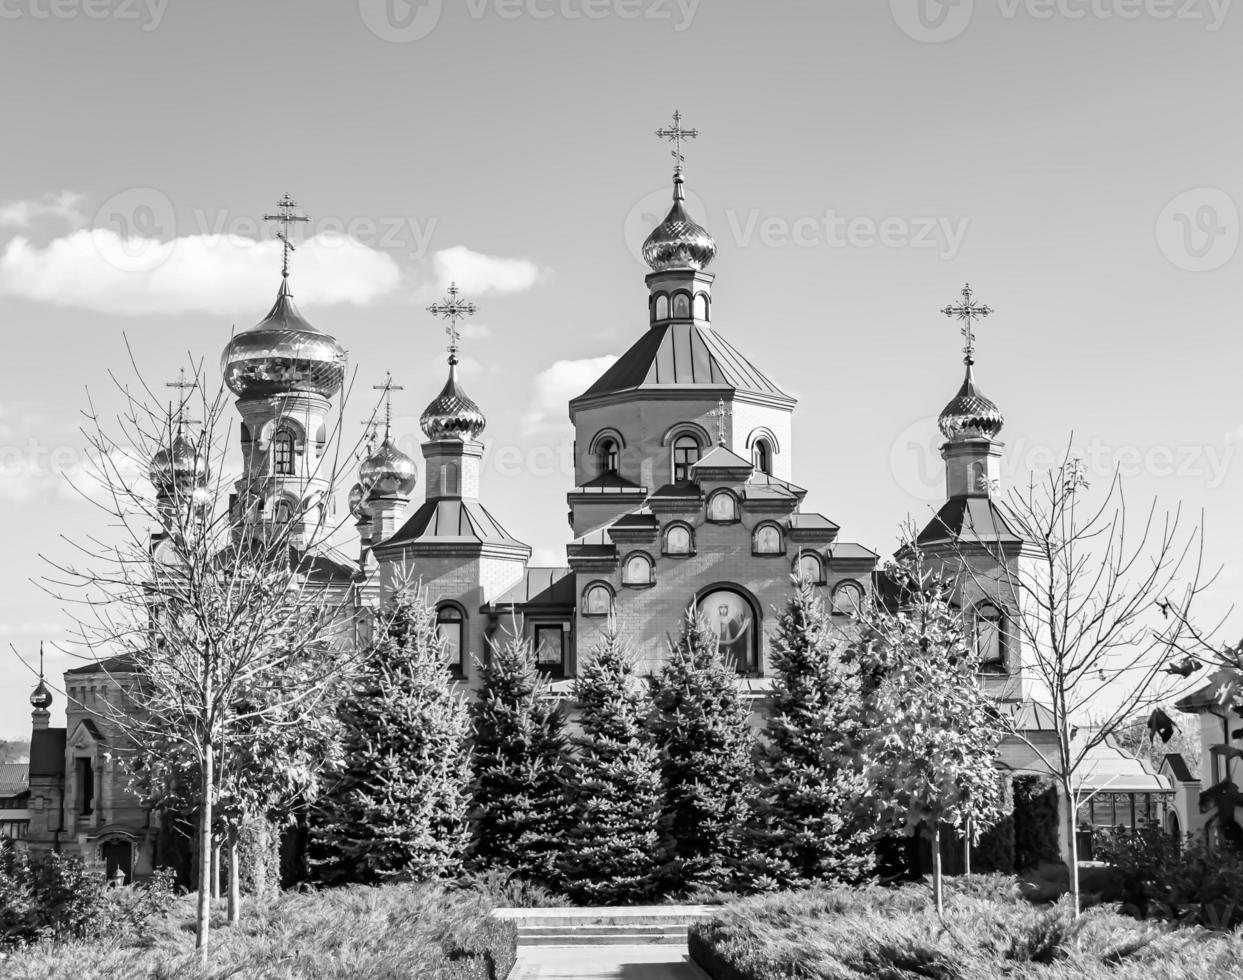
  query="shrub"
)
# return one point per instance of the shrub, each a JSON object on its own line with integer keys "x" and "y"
{"x": 1035, "y": 822}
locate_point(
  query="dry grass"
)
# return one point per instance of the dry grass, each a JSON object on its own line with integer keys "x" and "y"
{"x": 394, "y": 931}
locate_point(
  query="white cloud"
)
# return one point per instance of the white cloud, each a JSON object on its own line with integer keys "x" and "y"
{"x": 477, "y": 273}
{"x": 55, "y": 204}
{"x": 554, "y": 387}
{"x": 99, "y": 270}
{"x": 548, "y": 557}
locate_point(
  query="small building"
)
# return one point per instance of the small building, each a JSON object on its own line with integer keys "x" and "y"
{"x": 14, "y": 800}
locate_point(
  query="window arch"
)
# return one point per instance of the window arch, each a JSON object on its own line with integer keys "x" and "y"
{"x": 608, "y": 455}
{"x": 768, "y": 540}
{"x": 723, "y": 507}
{"x": 701, "y": 306}
{"x": 637, "y": 570}
{"x": 989, "y": 623}
{"x": 449, "y": 484}
{"x": 451, "y": 630}
{"x": 847, "y": 597}
{"x": 681, "y": 306}
{"x": 662, "y": 306}
{"x": 732, "y": 616}
{"x": 686, "y": 452}
{"x": 597, "y": 600}
{"x": 762, "y": 457}
{"x": 679, "y": 540}
{"x": 282, "y": 510}
{"x": 282, "y": 453}
{"x": 810, "y": 567}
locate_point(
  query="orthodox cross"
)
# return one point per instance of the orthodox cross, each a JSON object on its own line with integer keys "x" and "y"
{"x": 968, "y": 311}
{"x": 388, "y": 388}
{"x": 677, "y": 134}
{"x": 721, "y": 413}
{"x": 285, "y": 217}
{"x": 453, "y": 309}
{"x": 182, "y": 384}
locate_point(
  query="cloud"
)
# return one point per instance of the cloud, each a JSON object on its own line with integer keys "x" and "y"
{"x": 56, "y": 204}
{"x": 224, "y": 274}
{"x": 477, "y": 273}
{"x": 555, "y": 386}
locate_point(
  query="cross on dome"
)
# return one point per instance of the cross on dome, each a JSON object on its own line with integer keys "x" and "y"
{"x": 677, "y": 134}
{"x": 285, "y": 217}
{"x": 388, "y": 388}
{"x": 452, "y": 308}
{"x": 968, "y": 311}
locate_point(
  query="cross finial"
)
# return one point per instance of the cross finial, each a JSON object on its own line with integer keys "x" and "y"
{"x": 721, "y": 413}
{"x": 452, "y": 308}
{"x": 388, "y": 388}
{"x": 677, "y": 134}
{"x": 285, "y": 217}
{"x": 968, "y": 311}
{"x": 40, "y": 661}
{"x": 183, "y": 385}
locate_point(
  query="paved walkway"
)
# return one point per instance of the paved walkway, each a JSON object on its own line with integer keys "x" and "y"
{"x": 605, "y": 963}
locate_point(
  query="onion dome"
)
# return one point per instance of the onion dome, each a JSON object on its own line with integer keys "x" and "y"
{"x": 388, "y": 471}
{"x": 358, "y": 503}
{"x": 282, "y": 354}
{"x": 178, "y": 466}
{"x": 41, "y": 697}
{"x": 678, "y": 242}
{"x": 970, "y": 415}
{"x": 452, "y": 415}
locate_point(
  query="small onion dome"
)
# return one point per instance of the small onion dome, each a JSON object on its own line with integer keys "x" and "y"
{"x": 388, "y": 471}
{"x": 452, "y": 415}
{"x": 282, "y": 354}
{"x": 970, "y": 414}
{"x": 678, "y": 242}
{"x": 177, "y": 466}
{"x": 41, "y": 697}
{"x": 358, "y": 503}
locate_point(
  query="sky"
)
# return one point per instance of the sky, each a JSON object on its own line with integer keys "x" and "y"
{"x": 1076, "y": 161}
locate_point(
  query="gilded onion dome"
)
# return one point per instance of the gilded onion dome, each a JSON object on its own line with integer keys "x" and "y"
{"x": 388, "y": 471}
{"x": 452, "y": 414}
{"x": 282, "y": 354}
{"x": 178, "y": 466}
{"x": 970, "y": 414}
{"x": 358, "y": 503}
{"x": 41, "y": 697}
{"x": 678, "y": 242}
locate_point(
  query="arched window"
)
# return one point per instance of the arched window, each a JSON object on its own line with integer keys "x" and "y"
{"x": 662, "y": 307}
{"x": 282, "y": 511}
{"x": 988, "y": 628}
{"x": 811, "y": 568}
{"x": 450, "y": 628}
{"x": 762, "y": 457}
{"x": 608, "y": 455}
{"x": 681, "y": 306}
{"x": 678, "y": 540}
{"x": 768, "y": 540}
{"x": 449, "y": 479}
{"x": 637, "y": 570}
{"x": 685, "y": 455}
{"x": 847, "y": 597}
{"x": 282, "y": 453}
{"x": 597, "y": 600}
{"x": 722, "y": 507}
{"x": 701, "y": 306}
{"x": 733, "y": 619}
{"x": 550, "y": 648}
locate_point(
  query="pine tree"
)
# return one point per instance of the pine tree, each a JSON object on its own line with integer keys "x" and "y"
{"x": 521, "y": 753}
{"x": 397, "y": 806}
{"x": 615, "y": 849}
{"x": 809, "y": 781}
{"x": 700, "y": 723}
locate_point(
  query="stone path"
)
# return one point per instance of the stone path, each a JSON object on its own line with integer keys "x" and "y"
{"x": 605, "y": 963}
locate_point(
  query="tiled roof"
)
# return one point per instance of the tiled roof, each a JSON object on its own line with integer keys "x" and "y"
{"x": 47, "y": 752}
{"x": 680, "y": 355}
{"x": 968, "y": 519}
{"x": 452, "y": 519}
{"x": 541, "y": 587}
{"x": 14, "y": 778}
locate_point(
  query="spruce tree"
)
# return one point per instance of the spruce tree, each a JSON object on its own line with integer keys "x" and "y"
{"x": 521, "y": 753}
{"x": 809, "y": 781}
{"x": 700, "y": 724}
{"x": 615, "y": 849}
{"x": 397, "y": 807}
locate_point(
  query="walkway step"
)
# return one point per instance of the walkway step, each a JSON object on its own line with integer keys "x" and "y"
{"x": 589, "y": 937}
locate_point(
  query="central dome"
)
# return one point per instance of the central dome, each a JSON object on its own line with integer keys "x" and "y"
{"x": 452, "y": 414}
{"x": 283, "y": 354}
{"x": 970, "y": 414}
{"x": 678, "y": 242}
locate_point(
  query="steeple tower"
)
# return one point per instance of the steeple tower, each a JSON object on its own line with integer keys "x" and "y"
{"x": 40, "y": 699}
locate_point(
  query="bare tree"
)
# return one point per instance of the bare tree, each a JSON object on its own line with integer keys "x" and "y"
{"x": 1098, "y": 604}
{"x": 236, "y": 626}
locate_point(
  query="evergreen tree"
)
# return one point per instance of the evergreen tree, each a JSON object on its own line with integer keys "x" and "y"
{"x": 700, "y": 724}
{"x": 397, "y": 807}
{"x": 521, "y": 753}
{"x": 615, "y": 850}
{"x": 809, "y": 778}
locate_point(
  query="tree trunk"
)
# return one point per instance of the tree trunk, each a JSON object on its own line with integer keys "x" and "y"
{"x": 235, "y": 879}
{"x": 1073, "y": 842}
{"x": 203, "y": 908}
{"x": 966, "y": 849}
{"x": 215, "y": 870}
{"x": 937, "y": 897}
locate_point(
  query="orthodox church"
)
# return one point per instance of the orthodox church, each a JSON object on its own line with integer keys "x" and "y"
{"x": 684, "y": 495}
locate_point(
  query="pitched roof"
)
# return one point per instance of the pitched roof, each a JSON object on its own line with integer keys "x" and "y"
{"x": 971, "y": 519}
{"x": 541, "y": 587}
{"x": 849, "y": 549}
{"x": 721, "y": 458}
{"x": 680, "y": 355}
{"x": 612, "y": 481}
{"x": 47, "y": 751}
{"x": 14, "y": 778}
{"x": 450, "y": 519}
{"x": 109, "y": 665}
{"x": 1178, "y": 767}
